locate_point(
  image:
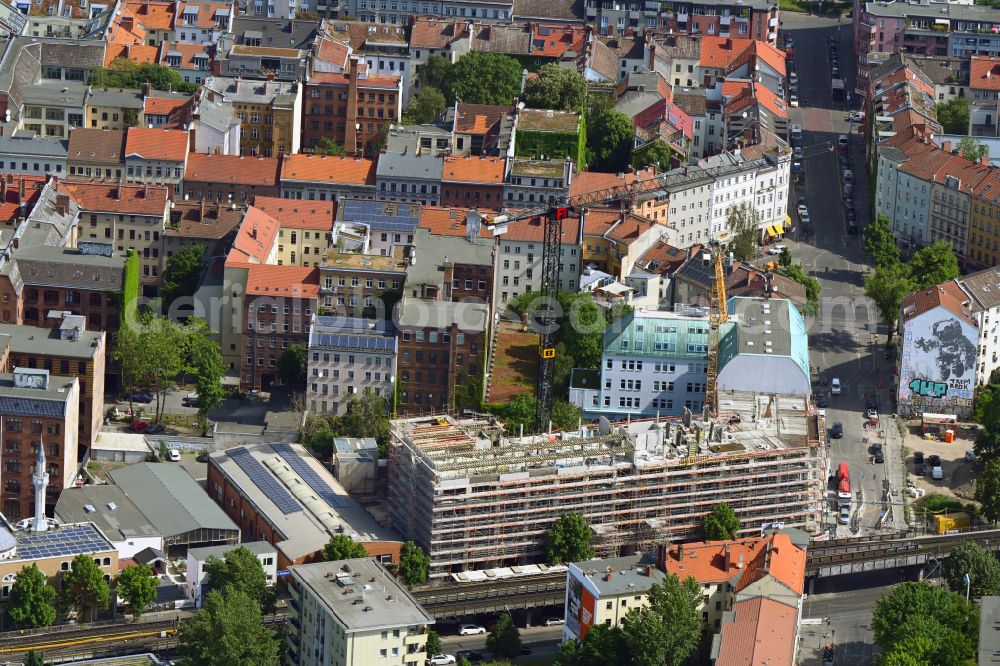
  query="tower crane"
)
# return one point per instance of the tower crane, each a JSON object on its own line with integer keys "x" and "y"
{"x": 718, "y": 314}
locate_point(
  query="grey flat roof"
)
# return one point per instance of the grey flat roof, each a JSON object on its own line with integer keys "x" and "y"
{"x": 431, "y": 251}
{"x": 628, "y": 575}
{"x": 48, "y": 403}
{"x": 983, "y": 286}
{"x": 116, "y": 97}
{"x": 33, "y": 146}
{"x": 934, "y": 11}
{"x": 66, "y": 94}
{"x": 172, "y": 500}
{"x": 37, "y": 340}
{"x": 255, "y": 547}
{"x": 989, "y": 631}
{"x": 398, "y": 165}
{"x": 385, "y": 602}
{"x": 123, "y": 522}
{"x": 442, "y": 314}
{"x": 758, "y": 327}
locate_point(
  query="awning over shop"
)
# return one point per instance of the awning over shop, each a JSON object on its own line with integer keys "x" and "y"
{"x": 776, "y": 230}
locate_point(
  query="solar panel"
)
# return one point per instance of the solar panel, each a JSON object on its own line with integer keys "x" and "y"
{"x": 381, "y": 214}
{"x": 69, "y": 540}
{"x": 362, "y": 342}
{"x": 312, "y": 479}
{"x": 262, "y": 478}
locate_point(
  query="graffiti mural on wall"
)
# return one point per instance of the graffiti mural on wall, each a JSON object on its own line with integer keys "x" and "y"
{"x": 938, "y": 365}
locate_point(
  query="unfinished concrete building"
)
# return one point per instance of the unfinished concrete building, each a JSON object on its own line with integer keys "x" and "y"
{"x": 476, "y": 499}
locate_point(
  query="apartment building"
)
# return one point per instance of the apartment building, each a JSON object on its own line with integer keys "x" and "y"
{"x": 482, "y": 10}
{"x": 209, "y": 224}
{"x": 114, "y": 109}
{"x": 203, "y": 22}
{"x": 31, "y": 156}
{"x": 314, "y": 177}
{"x": 192, "y": 61}
{"x": 503, "y": 492}
{"x": 348, "y": 356}
{"x": 473, "y": 181}
{"x": 331, "y": 609}
{"x": 536, "y": 181}
{"x": 359, "y": 285}
{"x": 96, "y": 154}
{"x": 454, "y": 262}
{"x": 270, "y": 113}
{"x": 231, "y": 178}
{"x": 390, "y": 223}
{"x": 519, "y": 259}
{"x": 156, "y": 156}
{"x": 39, "y": 409}
{"x": 306, "y": 228}
{"x": 50, "y": 112}
{"x": 130, "y": 216}
{"x": 410, "y": 178}
{"x": 757, "y": 19}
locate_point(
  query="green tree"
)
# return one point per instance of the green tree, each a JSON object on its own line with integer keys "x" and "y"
{"x": 329, "y": 148}
{"x": 886, "y": 287}
{"x": 675, "y": 603}
{"x": 320, "y": 442}
{"x": 797, "y": 273}
{"x": 182, "y": 274}
{"x": 721, "y": 524}
{"x": 434, "y": 644}
{"x": 226, "y": 631}
{"x": 979, "y": 564}
{"x": 505, "y": 640}
{"x": 414, "y": 564}
{"x": 954, "y": 116}
{"x": 646, "y": 639}
{"x": 972, "y": 149}
{"x": 896, "y": 615}
{"x": 137, "y": 586}
{"x": 655, "y": 153}
{"x": 568, "y": 540}
{"x": 342, "y": 547}
{"x": 568, "y": 654}
{"x": 556, "y": 87}
{"x": 880, "y": 243}
{"x": 84, "y": 588}
{"x": 933, "y": 265}
{"x": 744, "y": 225}
{"x": 609, "y": 141}
{"x": 367, "y": 416}
{"x": 516, "y": 414}
{"x": 484, "y": 78}
{"x": 426, "y": 105}
{"x": 435, "y": 74}
{"x": 32, "y": 600}
{"x": 785, "y": 258}
{"x": 292, "y": 365}
{"x": 204, "y": 361}
{"x": 34, "y": 659}
{"x": 582, "y": 328}
{"x": 124, "y": 73}
{"x": 987, "y": 413}
{"x": 988, "y": 490}
{"x": 239, "y": 569}
{"x": 565, "y": 415}
{"x": 601, "y": 646}
{"x": 152, "y": 354}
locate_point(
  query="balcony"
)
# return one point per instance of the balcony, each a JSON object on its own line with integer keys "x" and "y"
{"x": 725, "y": 20}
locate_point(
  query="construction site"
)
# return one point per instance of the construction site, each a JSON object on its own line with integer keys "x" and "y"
{"x": 477, "y": 499}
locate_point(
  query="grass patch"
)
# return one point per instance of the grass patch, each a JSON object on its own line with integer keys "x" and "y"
{"x": 938, "y": 503}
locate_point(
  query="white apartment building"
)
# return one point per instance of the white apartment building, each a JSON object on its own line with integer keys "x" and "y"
{"x": 353, "y": 613}
{"x": 346, "y": 357}
{"x": 902, "y": 197}
{"x": 983, "y": 290}
{"x": 519, "y": 259}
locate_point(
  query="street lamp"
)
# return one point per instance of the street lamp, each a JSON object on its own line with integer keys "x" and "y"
{"x": 967, "y": 581}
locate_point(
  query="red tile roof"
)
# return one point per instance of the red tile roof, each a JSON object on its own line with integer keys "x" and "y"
{"x": 10, "y": 206}
{"x": 479, "y": 118}
{"x": 948, "y": 296}
{"x": 552, "y": 41}
{"x": 374, "y": 81}
{"x": 232, "y": 169}
{"x": 740, "y": 562}
{"x": 188, "y": 54}
{"x": 435, "y": 33}
{"x": 728, "y": 53}
{"x": 629, "y": 228}
{"x": 254, "y": 239}
{"x": 298, "y": 213}
{"x": 532, "y": 230}
{"x": 316, "y": 168}
{"x": 156, "y": 144}
{"x": 96, "y": 146}
{"x": 984, "y": 73}
{"x": 115, "y": 198}
{"x": 164, "y": 106}
{"x": 762, "y": 632}
{"x": 206, "y": 14}
{"x": 586, "y": 182}
{"x": 332, "y": 51}
{"x": 444, "y": 221}
{"x": 469, "y": 169}
{"x": 154, "y": 15}
{"x": 282, "y": 281}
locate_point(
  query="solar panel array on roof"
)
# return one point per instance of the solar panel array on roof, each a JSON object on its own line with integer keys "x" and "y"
{"x": 390, "y": 216}
{"x": 312, "y": 479}
{"x": 363, "y": 342}
{"x": 70, "y": 540}
{"x": 262, "y": 479}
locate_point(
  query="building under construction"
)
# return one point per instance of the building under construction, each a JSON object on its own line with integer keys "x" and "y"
{"x": 476, "y": 499}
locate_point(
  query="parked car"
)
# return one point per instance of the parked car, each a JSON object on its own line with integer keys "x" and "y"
{"x": 877, "y": 454}
{"x": 934, "y": 461}
{"x": 856, "y": 117}
{"x": 801, "y": 203}
{"x": 845, "y": 515}
{"x": 842, "y": 142}
{"x": 141, "y": 396}
{"x": 174, "y": 455}
{"x": 919, "y": 468}
{"x": 471, "y": 630}
{"x": 473, "y": 656}
{"x": 835, "y": 386}
{"x": 837, "y": 431}
{"x": 775, "y": 249}
{"x": 553, "y": 621}
{"x": 797, "y": 152}
{"x": 937, "y": 473}
{"x": 848, "y": 176}
{"x": 190, "y": 400}
{"x": 870, "y": 413}
{"x": 796, "y": 131}
{"x": 441, "y": 660}
{"x": 822, "y": 400}
{"x": 793, "y": 100}
{"x": 202, "y": 457}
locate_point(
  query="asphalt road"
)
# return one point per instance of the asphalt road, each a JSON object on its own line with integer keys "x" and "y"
{"x": 841, "y": 338}
{"x": 543, "y": 641}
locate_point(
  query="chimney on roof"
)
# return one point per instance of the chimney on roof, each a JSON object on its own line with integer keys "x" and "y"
{"x": 253, "y": 232}
{"x": 985, "y": 160}
{"x": 147, "y": 89}
{"x": 3, "y": 190}
{"x": 680, "y": 552}
{"x": 20, "y": 191}
{"x": 946, "y": 146}
{"x": 62, "y": 204}
{"x": 201, "y": 212}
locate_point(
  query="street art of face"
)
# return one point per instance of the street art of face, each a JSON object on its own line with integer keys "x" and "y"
{"x": 956, "y": 354}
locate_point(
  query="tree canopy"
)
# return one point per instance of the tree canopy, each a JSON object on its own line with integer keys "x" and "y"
{"x": 797, "y": 273}
{"x": 721, "y": 523}
{"x": 880, "y": 243}
{"x": 954, "y": 116}
{"x": 609, "y": 141}
{"x": 933, "y": 265}
{"x": 743, "y": 222}
{"x": 33, "y": 658}
{"x": 426, "y": 105}
{"x": 182, "y": 274}
{"x": 227, "y": 630}
{"x": 239, "y": 569}
{"x": 556, "y": 87}
{"x": 886, "y": 287}
{"x": 414, "y": 564}
{"x": 434, "y": 645}
{"x": 84, "y": 588}
{"x": 505, "y": 640}
{"x": 568, "y": 540}
{"x": 137, "y": 586}
{"x": 343, "y": 547}
{"x": 483, "y": 78}
{"x": 32, "y": 600}
{"x": 124, "y": 73}
{"x": 972, "y": 149}
{"x": 915, "y": 611}
{"x": 988, "y": 489}
{"x": 655, "y": 154}
{"x": 292, "y": 364}
{"x": 979, "y": 564}
{"x": 328, "y": 147}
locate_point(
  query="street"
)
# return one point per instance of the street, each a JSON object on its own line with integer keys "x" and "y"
{"x": 543, "y": 641}
{"x": 842, "y": 337}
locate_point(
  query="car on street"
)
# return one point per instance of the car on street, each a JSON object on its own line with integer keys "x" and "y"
{"x": 835, "y": 386}
{"x": 797, "y": 152}
{"x": 845, "y": 515}
{"x": 856, "y": 117}
{"x": 139, "y": 425}
{"x": 806, "y": 221}
{"x": 441, "y": 660}
{"x": 471, "y": 655}
{"x": 822, "y": 400}
{"x": 801, "y": 208}
{"x": 793, "y": 100}
{"x": 471, "y": 630}
{"x": 190, "y": 400}
{"x": 837, "y": 431}
{"x": 796, "y": 131}
{"x": 835, "y": 72}
{"x": 848, "y": 176}
{"x": 842, "y": 142}
{"x": 802, "y": 202}
{"x": 871, "y": 413}
{"x": 202, "y": 457}
{"x": 553, "y": 621}
{"x": 174, "y": 455}
{"x": 797, "y": 168}
{"x": 793, "y": 77}
{"x": 775, "y": 249}
{"x": 141, "y": 396}
{"x": 525, "y": 651}
{"x": 877, "y": 455}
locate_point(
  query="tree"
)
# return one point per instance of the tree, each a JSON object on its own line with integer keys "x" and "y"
{"x": 721, "y": 524}
{"x": 655, "y": 153}
{"x": 880, "y": 243}
{"x": 182, "y": 274}
{"x": 797, "y": 273}
{"x": 601, "y": 646}
{"x": 886, "y": 287}
{"x": 556, "y": 87}
{"x": 954, "y": 116}
{"x": 609, "y": 141}
{"x": 137, "y": 586}
{"x": 676, "y": 603}
{"x": 568, "y": 540}
{"x": 517, "y": 414}
{"x": 785, "y": 258}
{"x": 743, "y": 222}
{"x": 505, "y": 640}
{"x": 292, "y": 365}
{"x": 979, "y": 564}
{"x": 33, "y": 658}
{"x": 329, "y": 148}
{"x": 343, "y": 547}
{"x": 367, "y": 416}
{"x": 414, "y": 564}
{"x": 424, "y": 106}
{"x": 484, "y": 78}
{"x": 435, "y": 74}
{"x": 988, "y": 490}
{"x": 582, "y": 328}
{"x": 84, "y": 588}
{"x": 987, "y": 413}
{"x": 972, "y": 149}
{"x": 204, "y": 361}
{"x": 568, "y": 654}
{"x": 434, "y": 644}
{"x": 124, "y": 73}
{"x": 565, "y": 415}
{"x": 239, "y": 569}
{"x": 933, "y": 265}
{"x": 646, "y": 639}
{"x": 31, "y": 599}
{"x": 910, "y": 601}
{"x": 226, "y": 631}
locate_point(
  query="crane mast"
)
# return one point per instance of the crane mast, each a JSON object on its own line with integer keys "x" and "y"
{"x": 718, "y": 314}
